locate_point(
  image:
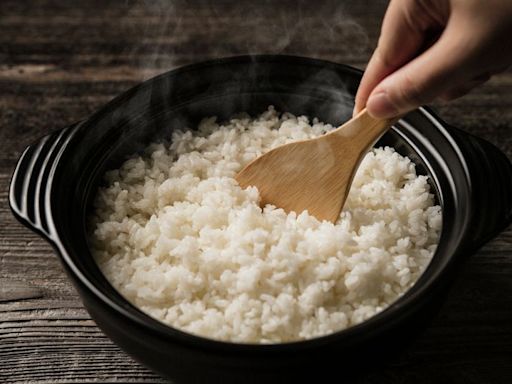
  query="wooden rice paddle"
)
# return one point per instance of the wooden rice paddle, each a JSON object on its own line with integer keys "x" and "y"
{"x": 316, "y": 174}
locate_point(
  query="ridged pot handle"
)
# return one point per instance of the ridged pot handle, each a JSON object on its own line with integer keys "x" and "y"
{"x": 490, "y": 174}
{"x": 29, "y": 193}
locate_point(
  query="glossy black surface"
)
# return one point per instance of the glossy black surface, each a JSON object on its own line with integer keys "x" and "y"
{"x": 56, "y": 178}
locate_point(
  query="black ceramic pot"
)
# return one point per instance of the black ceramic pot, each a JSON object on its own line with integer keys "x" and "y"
{"x": 56, "y": 179}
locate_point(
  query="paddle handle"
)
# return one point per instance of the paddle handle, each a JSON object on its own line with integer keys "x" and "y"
{"x": 362, "y": 131}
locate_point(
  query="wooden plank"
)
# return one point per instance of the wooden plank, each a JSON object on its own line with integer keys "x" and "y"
{"x": 60, "y": 61}
{"x": 14, "y": 290}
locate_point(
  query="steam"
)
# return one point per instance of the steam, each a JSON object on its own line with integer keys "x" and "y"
{"x": 179, "y": 32}
{"x": 170, "y": 33}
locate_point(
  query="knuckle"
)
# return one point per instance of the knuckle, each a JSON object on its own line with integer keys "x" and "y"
{"x": 383, "y": 55}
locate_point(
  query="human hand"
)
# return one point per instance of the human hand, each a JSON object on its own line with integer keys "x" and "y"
{"x": 431, "y": 49}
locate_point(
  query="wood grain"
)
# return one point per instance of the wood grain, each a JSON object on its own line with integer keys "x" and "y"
{"x": 60, "y": 61}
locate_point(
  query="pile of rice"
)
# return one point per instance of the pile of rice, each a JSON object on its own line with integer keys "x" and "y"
{"x": 177, "y": 236}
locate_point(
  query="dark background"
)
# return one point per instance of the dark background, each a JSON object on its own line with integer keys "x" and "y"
{"x": 61, "y": 60}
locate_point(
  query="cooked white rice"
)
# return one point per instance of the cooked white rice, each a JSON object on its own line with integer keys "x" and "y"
{"x": 176, "y": 235}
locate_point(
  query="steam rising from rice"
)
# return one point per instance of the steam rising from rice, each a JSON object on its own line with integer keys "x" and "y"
{"x": 176, "y": 235}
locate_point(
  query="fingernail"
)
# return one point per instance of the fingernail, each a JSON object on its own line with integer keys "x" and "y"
{"x": 380, "y": 106}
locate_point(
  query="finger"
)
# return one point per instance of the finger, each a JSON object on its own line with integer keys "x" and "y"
{"x": 482, "y": 78}
{"x": 455, "y": 93}
{"x": 403, "y": 34}
{"x": 464, "y": 89}
{"x": 431, "y": 74}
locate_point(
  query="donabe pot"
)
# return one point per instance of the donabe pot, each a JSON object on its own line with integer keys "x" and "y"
{"x": 56, "y": 179}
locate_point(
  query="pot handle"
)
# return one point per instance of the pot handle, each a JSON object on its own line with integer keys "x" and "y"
{"x": 29, "y": 191}
{"x": 490, "y": 173}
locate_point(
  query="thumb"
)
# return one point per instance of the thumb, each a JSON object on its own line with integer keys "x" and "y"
{"x": 434, "y": 72}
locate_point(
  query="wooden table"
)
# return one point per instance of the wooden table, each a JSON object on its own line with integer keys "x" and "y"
{"x": 60, "y": 61}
